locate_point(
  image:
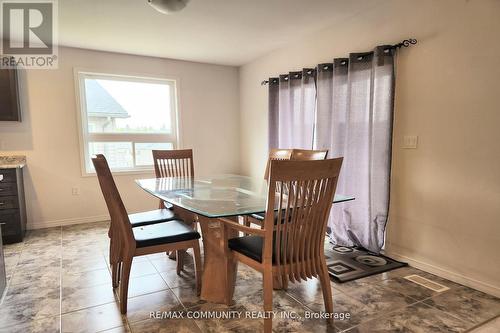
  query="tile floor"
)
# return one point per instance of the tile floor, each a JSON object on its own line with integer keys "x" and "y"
{"x": 59, "y": 280}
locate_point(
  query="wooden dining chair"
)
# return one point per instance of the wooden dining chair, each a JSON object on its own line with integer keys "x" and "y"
{"x": 296, "y": 155}
{"x": 174, "y": 163}
{"x": 277, "y": 154}
{"x": 129, "y": 242}
{"x": 301, "y": 193}
{"x": 136, "y": 220}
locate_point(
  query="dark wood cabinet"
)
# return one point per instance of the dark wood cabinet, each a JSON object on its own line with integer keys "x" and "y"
{"x": 12, "y": 205}
{"x": 9, "y": 95}
{"x": 3, "y": 273}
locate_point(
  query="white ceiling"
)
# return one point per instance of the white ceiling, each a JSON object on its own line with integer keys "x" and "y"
{"x": 230, "y": 32}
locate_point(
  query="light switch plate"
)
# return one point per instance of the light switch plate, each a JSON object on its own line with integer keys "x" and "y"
{"x": 410, "y": 142}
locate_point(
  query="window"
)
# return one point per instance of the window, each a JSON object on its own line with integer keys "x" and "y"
{"x": 124, "y": 118}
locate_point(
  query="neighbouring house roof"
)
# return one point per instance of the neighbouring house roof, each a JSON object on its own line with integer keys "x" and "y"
{"x": 100, "y": 103}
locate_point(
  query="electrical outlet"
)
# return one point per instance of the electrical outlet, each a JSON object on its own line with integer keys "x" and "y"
{"x": 75, "y": 191}
{"x": 410, "y": 142}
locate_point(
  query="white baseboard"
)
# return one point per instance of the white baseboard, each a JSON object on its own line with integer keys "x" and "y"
{"x": 63, "y": 222}
{"x": 452, "y": 276}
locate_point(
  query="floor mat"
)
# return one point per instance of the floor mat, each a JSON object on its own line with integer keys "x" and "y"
{"x": 351, "y": 263}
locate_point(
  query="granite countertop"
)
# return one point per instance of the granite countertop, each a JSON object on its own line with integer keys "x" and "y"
{"x": 12, "y": 162}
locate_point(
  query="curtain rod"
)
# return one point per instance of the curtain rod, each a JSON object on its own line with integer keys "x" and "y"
{"x": 403, "y": 43}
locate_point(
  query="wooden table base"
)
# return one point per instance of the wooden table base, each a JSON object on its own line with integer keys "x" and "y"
{"x": 219, "y": 270}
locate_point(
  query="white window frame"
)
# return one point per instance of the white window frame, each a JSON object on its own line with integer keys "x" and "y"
{"x": 85, "y": 137}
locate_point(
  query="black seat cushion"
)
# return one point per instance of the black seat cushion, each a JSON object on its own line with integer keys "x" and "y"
{"x": 250, "y": 246}
{"x": 261, "y": 216}
{"x": 150, "y": 217}
{"x": 163, "y": 233}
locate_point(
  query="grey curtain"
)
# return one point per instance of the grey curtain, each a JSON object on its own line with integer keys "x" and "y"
{"x": 352, "y": 118}
{"x": 292, "y": 104}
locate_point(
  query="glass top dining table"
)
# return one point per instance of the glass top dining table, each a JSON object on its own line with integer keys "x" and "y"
{"x": 215, "y": 196}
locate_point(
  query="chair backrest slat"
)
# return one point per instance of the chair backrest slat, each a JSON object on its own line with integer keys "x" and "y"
{"x": 300, "y": 197}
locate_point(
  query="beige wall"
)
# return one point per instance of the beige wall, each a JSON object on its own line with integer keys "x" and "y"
{"x": 48, "y": 136}
{"x": 445, "y": 208}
